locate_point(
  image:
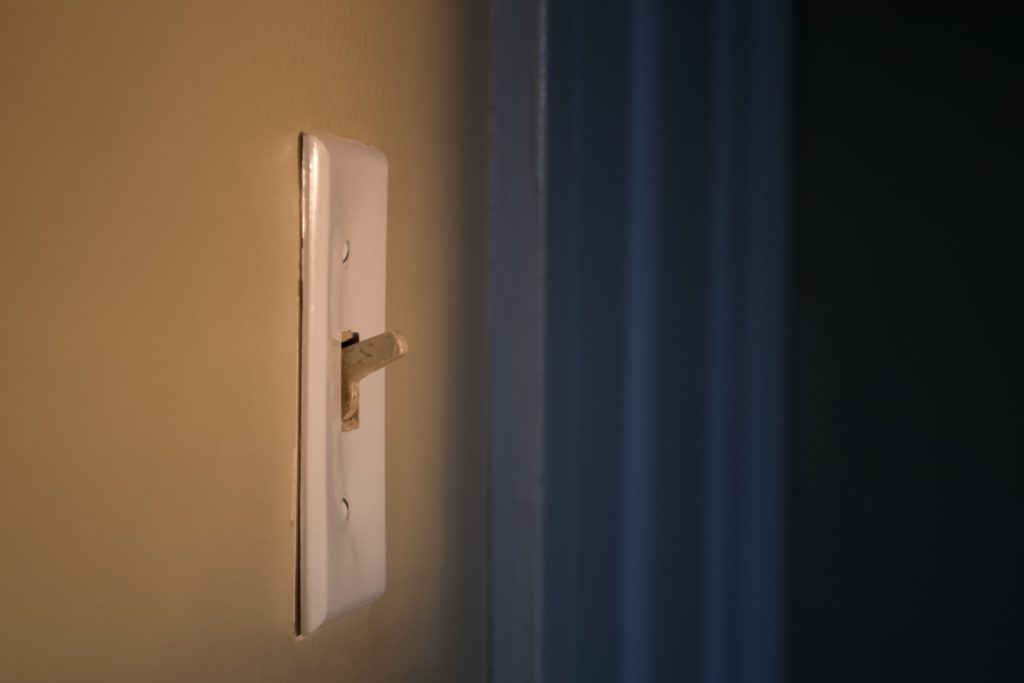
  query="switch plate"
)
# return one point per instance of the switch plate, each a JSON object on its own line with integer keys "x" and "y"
{"x": 341, "y": 474}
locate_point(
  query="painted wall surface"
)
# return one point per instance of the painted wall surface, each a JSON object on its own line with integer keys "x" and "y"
{"x": 149, "y": 265}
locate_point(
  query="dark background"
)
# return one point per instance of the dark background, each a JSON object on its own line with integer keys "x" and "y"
{"x": 781, "y": 376}
{"x": 904, "y": 536}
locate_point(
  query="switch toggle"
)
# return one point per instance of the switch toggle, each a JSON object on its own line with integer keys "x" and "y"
{"x": 359, "y": 359}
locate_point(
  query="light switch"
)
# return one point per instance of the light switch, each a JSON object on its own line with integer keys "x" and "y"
{"x": 341, "y": 455}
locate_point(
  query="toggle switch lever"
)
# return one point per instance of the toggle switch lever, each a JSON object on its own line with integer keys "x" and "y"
{"x": 359, "y": 359}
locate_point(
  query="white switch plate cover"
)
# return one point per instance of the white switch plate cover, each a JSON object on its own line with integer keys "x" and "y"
{"x": 341, "y": 475}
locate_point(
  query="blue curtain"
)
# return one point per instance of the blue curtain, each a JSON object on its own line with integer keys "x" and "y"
{"x": 668, "y": 241}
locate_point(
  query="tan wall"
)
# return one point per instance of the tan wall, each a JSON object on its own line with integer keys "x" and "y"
{"x": 149, "y": 261}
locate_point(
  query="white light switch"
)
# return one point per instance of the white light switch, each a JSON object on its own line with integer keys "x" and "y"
{"x": 341, "y": 473}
